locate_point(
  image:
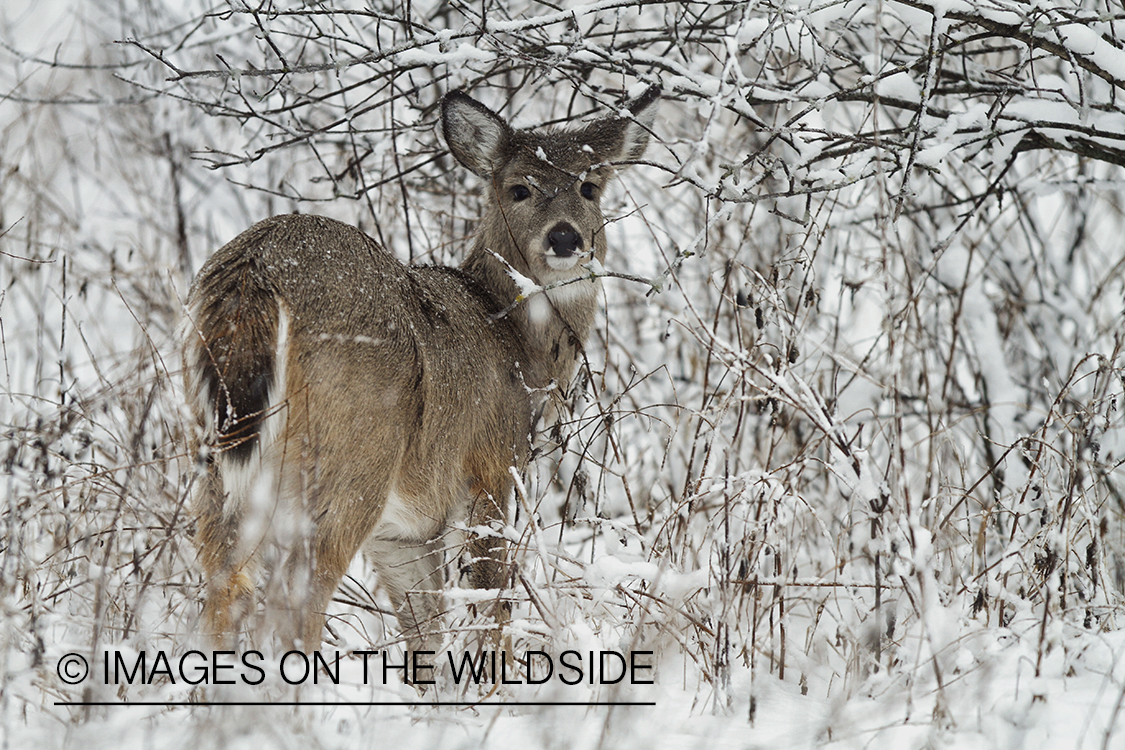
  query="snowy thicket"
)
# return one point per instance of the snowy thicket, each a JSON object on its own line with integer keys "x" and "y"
{"x": 849, "y": 461}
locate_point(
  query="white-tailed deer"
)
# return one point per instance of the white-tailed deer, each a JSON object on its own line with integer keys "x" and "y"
{"x": 346, "y": 401}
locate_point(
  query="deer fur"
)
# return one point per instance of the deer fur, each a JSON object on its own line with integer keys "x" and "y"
{"x": 345, "y": 401}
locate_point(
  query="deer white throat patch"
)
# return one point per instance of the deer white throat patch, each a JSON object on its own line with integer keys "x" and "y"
{"x": 541, "y": 306}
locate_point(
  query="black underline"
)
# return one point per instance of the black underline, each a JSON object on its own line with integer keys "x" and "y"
{"x": 418, "y": 704}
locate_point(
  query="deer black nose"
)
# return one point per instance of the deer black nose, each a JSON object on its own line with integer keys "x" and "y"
{"x": 563, "y": 240}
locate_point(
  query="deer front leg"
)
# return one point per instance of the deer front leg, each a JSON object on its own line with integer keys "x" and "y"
{"x": 488, "y": 552}
{"x": 411, "y": 574}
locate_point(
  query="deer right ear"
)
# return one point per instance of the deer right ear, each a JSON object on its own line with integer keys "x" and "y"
{"x": 476, "y": 135}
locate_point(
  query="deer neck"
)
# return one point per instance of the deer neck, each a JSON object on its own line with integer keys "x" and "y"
{"x": 553, "y": 324}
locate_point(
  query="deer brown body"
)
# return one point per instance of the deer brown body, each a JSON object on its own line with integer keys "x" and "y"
{"x": 346, "y": 401}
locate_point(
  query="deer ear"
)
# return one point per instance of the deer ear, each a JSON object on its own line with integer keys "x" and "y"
{"x": 637, "y": 129}
{"x": 476, "y": 135}
{"x": 620, "y": 140}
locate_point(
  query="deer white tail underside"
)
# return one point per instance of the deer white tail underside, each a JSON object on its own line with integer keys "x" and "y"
{"x": 235, "y": 378}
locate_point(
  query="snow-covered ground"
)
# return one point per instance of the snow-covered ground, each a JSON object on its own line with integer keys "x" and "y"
{"x": 848, "y": 466}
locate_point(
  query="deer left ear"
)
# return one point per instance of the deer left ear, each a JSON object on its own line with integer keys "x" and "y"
{"x": 639, "y": 127}
{"x": 621, "y": 140}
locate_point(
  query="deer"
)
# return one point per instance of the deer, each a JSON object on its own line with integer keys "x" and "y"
{"x": 342, "y": 401}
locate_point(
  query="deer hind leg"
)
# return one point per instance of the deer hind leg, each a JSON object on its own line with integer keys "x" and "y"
{"x": 229, "y": 599}
{"x": 314, "y": 553}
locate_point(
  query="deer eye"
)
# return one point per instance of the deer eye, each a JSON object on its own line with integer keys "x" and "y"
{"x": 520, "y": 192}
{"x": 588, "y": 190}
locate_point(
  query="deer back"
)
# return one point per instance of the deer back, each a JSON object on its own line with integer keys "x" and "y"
{"x": 369, "y": 354}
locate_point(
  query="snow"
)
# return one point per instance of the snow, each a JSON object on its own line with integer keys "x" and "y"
{"x": 1087, "y": 42}
{"x": 850, "y": 473}
{"x": 899, "y": 86}
{"x": 462, "y": 54}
